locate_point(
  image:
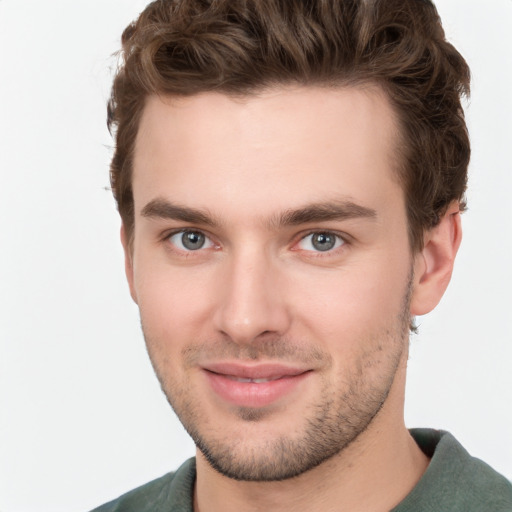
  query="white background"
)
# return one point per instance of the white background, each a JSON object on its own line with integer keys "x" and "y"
{"x": 82, "y": 418}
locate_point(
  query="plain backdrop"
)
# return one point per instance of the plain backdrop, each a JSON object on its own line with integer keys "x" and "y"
{"x": 82, "y": 418}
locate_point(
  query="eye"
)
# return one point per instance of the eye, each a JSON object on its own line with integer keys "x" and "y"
{"x": 321, "y": 241}
{"x": 190, "y": 240}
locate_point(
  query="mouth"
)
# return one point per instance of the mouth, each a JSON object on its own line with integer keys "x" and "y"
{"x": 257, "y": 381}
{"x": 254, "y": 386}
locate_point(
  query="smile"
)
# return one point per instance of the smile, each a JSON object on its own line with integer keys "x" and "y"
{"x": 254, "y": 386}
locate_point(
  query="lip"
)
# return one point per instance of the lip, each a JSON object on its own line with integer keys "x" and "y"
{"x": 255, "y": 386}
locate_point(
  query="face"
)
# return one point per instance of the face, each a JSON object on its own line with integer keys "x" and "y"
{"x": 272, "y": 269}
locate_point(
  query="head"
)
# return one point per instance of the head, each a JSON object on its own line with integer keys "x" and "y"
{"x": 180, "y": 48}
{"x": 288, "y": 174}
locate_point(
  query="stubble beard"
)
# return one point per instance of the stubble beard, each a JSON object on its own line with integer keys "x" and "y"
{"x": 333, "y": 423}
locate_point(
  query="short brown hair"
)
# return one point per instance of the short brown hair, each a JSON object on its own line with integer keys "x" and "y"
{"x": 184, "y": 47}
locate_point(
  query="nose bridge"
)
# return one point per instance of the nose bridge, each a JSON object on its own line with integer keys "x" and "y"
{"x": 251, "y": 301}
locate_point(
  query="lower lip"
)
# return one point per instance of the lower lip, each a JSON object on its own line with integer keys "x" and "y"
{"x": 252, "y": 394}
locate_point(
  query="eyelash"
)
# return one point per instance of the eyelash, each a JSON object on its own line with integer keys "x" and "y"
{"x": 341, "y": 241}
{"x": 208, "y": 239}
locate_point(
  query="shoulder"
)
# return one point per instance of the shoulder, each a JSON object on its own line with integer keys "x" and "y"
{"x": 170, "y": 492}
{"x": 455, "y": 480}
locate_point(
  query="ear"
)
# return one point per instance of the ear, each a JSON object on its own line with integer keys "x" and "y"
{"x": 128, "y": 261}
{"x": 434, "y": 264}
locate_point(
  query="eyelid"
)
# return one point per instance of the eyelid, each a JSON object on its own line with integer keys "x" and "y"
{"x": 344, "y": 238}
{"x": 212, "y": 243}
{"x": 166, "y": 237}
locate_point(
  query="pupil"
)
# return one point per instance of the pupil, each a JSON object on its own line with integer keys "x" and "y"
{"x": 323, "y": 241}
{"x": 192, "y": 240}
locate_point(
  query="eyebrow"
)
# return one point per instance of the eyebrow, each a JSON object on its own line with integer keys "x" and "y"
{"x": 315, "y": 212}
{"x": 163, "y": 209}
{"x": 321, "y": 212}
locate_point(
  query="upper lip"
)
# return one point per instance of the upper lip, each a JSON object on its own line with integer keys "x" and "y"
{"x": 254, "y": 371}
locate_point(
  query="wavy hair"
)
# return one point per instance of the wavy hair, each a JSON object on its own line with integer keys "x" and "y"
{"x": 238, "y": 47}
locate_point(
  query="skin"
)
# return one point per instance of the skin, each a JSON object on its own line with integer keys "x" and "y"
{"x": 259, "y": 292}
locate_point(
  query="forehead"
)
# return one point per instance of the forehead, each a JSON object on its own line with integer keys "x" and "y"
{"x": 287, "y": 145}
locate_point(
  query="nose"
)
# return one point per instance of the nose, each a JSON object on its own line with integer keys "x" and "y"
{"x": 251, "y": 300}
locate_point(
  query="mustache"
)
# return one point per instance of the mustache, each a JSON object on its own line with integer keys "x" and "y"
{"x": 266, "y": 348}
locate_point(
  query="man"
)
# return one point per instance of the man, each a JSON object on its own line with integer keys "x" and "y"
{"x": 290, "y": 175}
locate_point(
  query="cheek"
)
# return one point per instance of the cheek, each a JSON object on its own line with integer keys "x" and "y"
{"x": 173, "y": 303}
{"x": 350, "y": 304}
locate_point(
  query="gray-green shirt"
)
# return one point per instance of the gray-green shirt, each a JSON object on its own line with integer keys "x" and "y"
{"x": 453, "y": 482}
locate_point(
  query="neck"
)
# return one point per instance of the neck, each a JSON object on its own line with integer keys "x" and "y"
{"x": 374, "y": 473}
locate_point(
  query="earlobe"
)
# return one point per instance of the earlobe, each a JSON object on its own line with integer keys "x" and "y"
{"x": 128, "y": 261}
{"x": 434, "y": 264}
